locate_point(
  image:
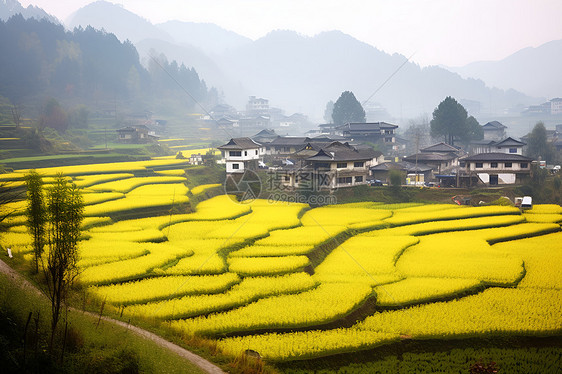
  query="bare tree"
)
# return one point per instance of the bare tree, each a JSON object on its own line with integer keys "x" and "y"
{"x": 16, "y": 114}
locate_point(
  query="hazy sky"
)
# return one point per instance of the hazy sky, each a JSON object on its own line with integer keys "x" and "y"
{"x": 447, "y": 32}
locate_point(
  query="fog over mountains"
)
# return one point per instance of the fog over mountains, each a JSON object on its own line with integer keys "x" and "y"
{"x": 301, "y": 74}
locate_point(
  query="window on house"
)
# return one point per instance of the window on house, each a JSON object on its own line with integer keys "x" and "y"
{"x": 322, "y": 165}
{"x": 494, "y": 165}
{"x": 235, "y": 153}
{"x": 245, "y": 153}
{"x": 235, "y": 166}
{"x": 358, "y": 164}
{"x": 512, "y": 150}
{"x": 287, "y": 178}
{"x": 479, "y": 165}
{"x": 256, "y": 151}
{"x": 507, "y": 164}
{"x": 344, "y": 180}
{"x": 358, "y": 179}
{"x": 286, "y": 149}
{"x": 342, "y": 165}
{"x": 524, "y": 165}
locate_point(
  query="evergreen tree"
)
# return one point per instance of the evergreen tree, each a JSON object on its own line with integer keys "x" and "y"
{"x": 347, "y": 109}
{"x": 538, "y": 146}
{"x": 451, "y": 121}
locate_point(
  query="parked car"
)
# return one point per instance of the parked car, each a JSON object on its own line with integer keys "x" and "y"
{"x": 376, "y": 182}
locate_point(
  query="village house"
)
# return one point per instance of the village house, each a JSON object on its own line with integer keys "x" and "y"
{"x": 241, "y": 154}
{"x": 374, "y": 132}
{"x": 333, "y": 166}
{"x": 497, "y": 168}
{"x": 135, "y": 135}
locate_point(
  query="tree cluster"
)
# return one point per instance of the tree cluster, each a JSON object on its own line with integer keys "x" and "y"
{"x": 54, "y": 219}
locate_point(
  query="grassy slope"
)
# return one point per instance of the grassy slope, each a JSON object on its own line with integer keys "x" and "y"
{"x": 92, "y": 348}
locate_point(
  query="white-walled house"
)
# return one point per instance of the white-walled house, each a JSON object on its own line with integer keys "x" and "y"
{"x": 240, "y": 154}
{"x": 499, "y": 168}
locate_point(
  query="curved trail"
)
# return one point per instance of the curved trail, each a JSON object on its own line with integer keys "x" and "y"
{"x": 199, "y": 361}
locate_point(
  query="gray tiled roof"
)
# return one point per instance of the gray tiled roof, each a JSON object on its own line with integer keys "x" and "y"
{"x": 498, "y": 157}
{"x": 240, "y": 143}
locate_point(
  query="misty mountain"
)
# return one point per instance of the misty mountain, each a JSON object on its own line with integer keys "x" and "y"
{"x": 535, "y": 71}
{"x": 208, "y": 37}
{"x": 9, "y": 8}
{"x": 116, "y": 20}
{"x": 303, "y": 73}
{"x": 193, "y": 57}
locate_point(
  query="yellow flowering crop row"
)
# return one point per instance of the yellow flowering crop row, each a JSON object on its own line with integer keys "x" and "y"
{"x": 545, "y": 209}
{"x": 152, "y": 289}
{"x": 254, "y": 266}
{"x": 202, "y": 188}
{"x": 495, "y": 311}
{"x": 364, "y": 256}
{"x": 115, "y": 167}
{"x": 272, "y": 250}
{"x": 142, "y": 197}
{"x": 452, "y": 225}
{"x": 417, "y": 290}
{"x": 543, "y": 217}
{"x": 306, "y": 344}
{"x": 324, "y": 304}
{"x": 97, "y": 198}
{"x": 342, "y": 216}
{"x": 459, "y": 256}
{"x": 83, "y": 181}
{"x": 247, "y": 291}
{"x": 103, "y": 251}
{"x": 129, "y": 184}
{"x": 118, "y": 271}
{"x": 409, "y": 217}
{"x": 171, "y": 173}
{"x": 148, "y": 235}
{"x": 206, "y": 263}
{"x": 542, "y": 256}
{"x": 499, "y": 234}
{"x": 19, "y": 242}
{"x": 305, "y": 235}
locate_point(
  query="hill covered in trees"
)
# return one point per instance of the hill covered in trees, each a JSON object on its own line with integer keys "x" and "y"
{"x": 41, "y": 59}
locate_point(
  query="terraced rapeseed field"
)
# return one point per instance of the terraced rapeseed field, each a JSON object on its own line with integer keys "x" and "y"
{"x": 294, "y": 282}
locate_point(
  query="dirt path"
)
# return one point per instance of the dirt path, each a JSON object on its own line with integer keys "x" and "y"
{"x": 182, "y": 352}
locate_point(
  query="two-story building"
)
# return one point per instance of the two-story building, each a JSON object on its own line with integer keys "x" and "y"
{"x": 441, "y": 157}
{"x": 333, "y": 166}
{"x": 498, "y": 168}
{"x": 375, "y": 132}
{"x": 240, "y": 154}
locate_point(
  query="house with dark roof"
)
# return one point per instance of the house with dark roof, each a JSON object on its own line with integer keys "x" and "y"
{"x": 497, "y": 168}
{"x": 135, "y": 135}
{"x": 286, "y": 145}
{"x": 439, "y": 162}
{"x": 240, "y": 154}
{"x": 494, "y": 130}
{"x": 331, "y": 165}
{"x": 375, "y": 132}
{"x": 508, "y": 145}
{"x": 265, "y": 136}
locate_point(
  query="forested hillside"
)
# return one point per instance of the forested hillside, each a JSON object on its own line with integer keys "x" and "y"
{"x": 40, "y": 59}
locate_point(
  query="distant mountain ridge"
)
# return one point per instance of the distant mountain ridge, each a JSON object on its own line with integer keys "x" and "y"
{"x": 9, "y": 8}
{"x": 115, "y": 19}
{"x": 535, "y": 71}
{"x": 208, "y": 37}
